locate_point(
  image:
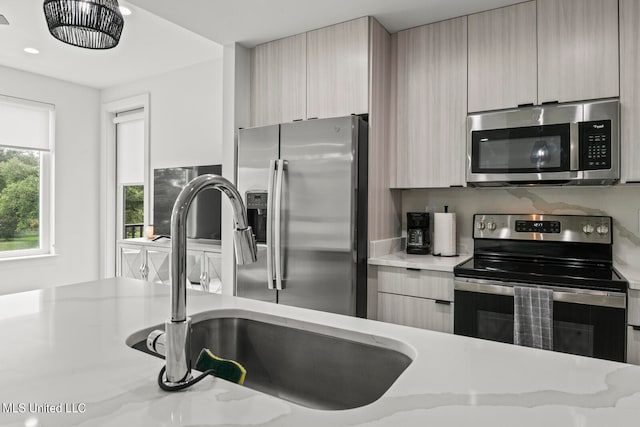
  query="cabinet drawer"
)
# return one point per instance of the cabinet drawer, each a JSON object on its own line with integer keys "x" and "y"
{"x": 418, "y": 283}
{"x": 417, "y": 312}
{"x": 633, "y": 346}
{"x": 634, "y": 307}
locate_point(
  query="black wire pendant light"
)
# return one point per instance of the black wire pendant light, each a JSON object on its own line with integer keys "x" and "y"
{"x": 92, "y": 24}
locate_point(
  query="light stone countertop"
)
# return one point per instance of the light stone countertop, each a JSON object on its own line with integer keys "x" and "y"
{"x": 66, "y": 345}
{"x": 192, "y": 244}
{"x": 401, "y": 259}
{"x": 423, "y": 262}
{"x": 631, "y": 273}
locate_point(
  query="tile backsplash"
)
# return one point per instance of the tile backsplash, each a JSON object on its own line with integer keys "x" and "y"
{"x": 621, "y": 202}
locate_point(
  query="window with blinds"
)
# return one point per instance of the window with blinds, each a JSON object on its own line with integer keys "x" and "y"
{"x": 130, "y": 172}
{"x": 26, "y": 143}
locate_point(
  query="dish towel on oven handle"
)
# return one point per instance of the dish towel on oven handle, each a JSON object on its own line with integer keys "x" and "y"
{"x": 533, "y": 317}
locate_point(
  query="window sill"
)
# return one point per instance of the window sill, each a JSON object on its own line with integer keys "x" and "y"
{"x": 26, "y": 257}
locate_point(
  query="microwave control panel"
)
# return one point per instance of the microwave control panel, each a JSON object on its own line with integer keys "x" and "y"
{"x": 595, "y": 145}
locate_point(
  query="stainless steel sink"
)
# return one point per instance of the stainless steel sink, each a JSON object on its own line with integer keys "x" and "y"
{"x": 294, "y": 362}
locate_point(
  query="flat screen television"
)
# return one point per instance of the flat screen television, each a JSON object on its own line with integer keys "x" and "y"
{"x": 203, "y": 220}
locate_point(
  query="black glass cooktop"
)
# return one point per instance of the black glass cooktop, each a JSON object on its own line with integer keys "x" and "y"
{"x": 543, "y": 272}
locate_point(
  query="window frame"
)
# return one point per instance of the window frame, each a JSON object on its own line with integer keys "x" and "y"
{"x": 46, "y": 179}
{"x": 109, "y": 255}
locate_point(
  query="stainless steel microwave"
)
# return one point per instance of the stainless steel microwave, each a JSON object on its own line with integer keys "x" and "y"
{"x": 557, "y": 144}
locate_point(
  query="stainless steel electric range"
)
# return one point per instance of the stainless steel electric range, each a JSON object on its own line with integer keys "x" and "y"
{"x": 568, "y": 254}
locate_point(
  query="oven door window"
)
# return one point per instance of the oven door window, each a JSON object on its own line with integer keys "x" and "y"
{"x": 521, "y": 150}
{"x": 585, "y": 330}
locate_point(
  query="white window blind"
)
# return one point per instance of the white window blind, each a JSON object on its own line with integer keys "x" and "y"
{"x": 130, "y": 151}
{"x": 25, "y": 124}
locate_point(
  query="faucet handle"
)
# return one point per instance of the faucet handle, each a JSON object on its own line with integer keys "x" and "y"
{"x": 246, "y": 249}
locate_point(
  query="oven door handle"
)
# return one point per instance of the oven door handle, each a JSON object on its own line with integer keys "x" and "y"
{"x": 569, "y": 295}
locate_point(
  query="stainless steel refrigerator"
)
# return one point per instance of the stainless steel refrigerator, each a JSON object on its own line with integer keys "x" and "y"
{"x": 305, "y": 187}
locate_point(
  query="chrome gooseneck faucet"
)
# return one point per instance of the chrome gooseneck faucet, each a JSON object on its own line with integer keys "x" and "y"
{"x": 178, "y": 328}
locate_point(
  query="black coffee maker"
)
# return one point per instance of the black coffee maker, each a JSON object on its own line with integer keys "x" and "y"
{"x": 418, "y": 239}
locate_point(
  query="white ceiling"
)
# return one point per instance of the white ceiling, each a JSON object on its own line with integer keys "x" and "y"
{"x": 149, "y": 45}
{"x": 251, "y": 22}
{"x": 193, "y": 31}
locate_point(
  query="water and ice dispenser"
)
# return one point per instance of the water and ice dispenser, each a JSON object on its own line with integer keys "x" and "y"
{"x": 257, "y": 214}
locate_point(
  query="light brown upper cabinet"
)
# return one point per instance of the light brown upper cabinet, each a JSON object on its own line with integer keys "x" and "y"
{"x": 318, "y": 74}
{"x": 502, "y": 58}
{"x": 279, "y": 81}
{"x": 630, "y": 90}
{"x": 431, "y": 74}
{"x": 577, "y": 50}
{"x": 338, "y": 69}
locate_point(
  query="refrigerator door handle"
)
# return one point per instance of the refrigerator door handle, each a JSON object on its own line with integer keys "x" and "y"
{"x": 281, "y": 166}
{"x": 270, "y": 271}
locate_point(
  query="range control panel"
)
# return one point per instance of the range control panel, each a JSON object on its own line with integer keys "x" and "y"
{"x": 595, "y": 145}
{"x": 540, "y": 227}
{"x": 529, "y": 226}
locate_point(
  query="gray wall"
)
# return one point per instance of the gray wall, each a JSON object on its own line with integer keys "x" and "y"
{"x": 76, "y": 182}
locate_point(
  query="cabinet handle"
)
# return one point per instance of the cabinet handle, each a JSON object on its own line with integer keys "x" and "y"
{"x": 550, "y": 102}
{"x": 204, "y": 281}
{"x": 635, "y": 328}
{"x": 144, "y": 272}
{"x": 529, "y": 104}
{"x": 456, "y": 186}
{"x": 443, "y": 302}
{"x": 412, "y": 269}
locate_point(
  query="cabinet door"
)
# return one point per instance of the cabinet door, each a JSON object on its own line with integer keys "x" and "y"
{"x": 432, "y": 105}
{"x": 577, "y": 50}
{"x": 213, "y": 262}
{"x": 158, "y": 261}
{"x": 278, "y": 81}
{"x": 633, "y": 343}
{"x": 131, "y": 262}
{"x": 417, "y": 312}
{"x": 503, "y": 58}
{"x": 338, "y": 70}
{"x": 630, "y": 90}
{"x": 633, "y": 307}
{"x": 203, "y": 271}
{"x": 195, "y": 270}
{"x": 417, "y": 283}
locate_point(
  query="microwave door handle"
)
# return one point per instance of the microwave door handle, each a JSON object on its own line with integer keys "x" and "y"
{"x": 574, "y": 146}
{"x": 270, "y": 271}
{"x": 281, "y": 165}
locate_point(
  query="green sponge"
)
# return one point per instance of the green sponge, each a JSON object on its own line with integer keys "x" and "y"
{"x": 229, "y": 370}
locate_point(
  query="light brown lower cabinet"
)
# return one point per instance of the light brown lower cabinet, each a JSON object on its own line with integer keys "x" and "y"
{"x": 633, "y": 345}
{"x": 416, "y": 297}
{"x": 436, "y": 315}
{"x": 633, "y": 327}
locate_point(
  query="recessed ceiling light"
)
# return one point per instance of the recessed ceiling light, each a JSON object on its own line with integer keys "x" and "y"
{"x": 31, "y": 50}
{"x": 125, "y": 11}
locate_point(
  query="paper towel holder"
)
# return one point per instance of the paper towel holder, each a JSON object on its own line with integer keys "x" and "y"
{"x": 444, "y": 234}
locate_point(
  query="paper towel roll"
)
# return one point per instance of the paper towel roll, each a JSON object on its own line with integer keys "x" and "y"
{"x": 444, "y": 234}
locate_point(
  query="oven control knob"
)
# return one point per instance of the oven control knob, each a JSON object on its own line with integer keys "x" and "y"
{"x": 491, "y": 225}
{"x": 602, "y": 229}
{"x": 587, "y": 228}
{"x": 480, "y": 225}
